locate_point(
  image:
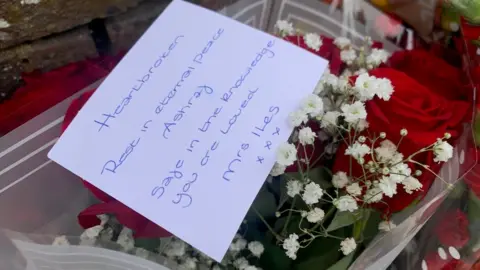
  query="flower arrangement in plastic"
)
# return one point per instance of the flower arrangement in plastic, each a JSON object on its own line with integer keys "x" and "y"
{"x": 368, "y": 142}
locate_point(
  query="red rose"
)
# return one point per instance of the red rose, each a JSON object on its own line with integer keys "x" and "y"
{"x": 424, "y": 112}
{"x": 452, "y": 229}
{"x": 141, "y": 226}
{"x": 432, "y": 72}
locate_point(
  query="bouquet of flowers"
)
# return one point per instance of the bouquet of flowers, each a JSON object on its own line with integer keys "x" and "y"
{"x": 367, "y": 143}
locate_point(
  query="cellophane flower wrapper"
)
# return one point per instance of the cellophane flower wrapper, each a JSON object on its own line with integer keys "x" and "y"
{"x": 272, "y": 233}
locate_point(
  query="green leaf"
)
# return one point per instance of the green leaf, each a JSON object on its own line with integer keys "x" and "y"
{"x": 274, "y": 258}
{"x": 150, "y": 244}
{"x": 344, "y": 263}
{"x": 319, "y": 255}
{"x": 319, "y": 175}
{"x": 343, "y": 219}
{"x": 265, "y": 204}
{"x": 283, "y": 193}
{"x": 371, "y": 228}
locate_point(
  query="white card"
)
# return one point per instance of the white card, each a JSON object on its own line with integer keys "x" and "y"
{"x": 184, "y": 130}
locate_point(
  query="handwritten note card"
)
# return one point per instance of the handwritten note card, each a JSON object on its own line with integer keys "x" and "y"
{"x": 185, "y": 128}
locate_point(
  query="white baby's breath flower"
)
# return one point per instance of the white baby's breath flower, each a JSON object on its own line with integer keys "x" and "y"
{"x": 313, "y": 193}
{"x": 348, "y": 245}
{"x": 329, "y": 119}
{"x": 238, "y": 245}
{"x": 384, "y": 89}
{"x": 361, "y": 125}
{"x": 354, "y": 112}
{"x": 360, "y": 71}
{"x": 373, "y": 195}
{"x": 91, "y": 233}
{"x": 189, "y": 263}
{"x": 365, "y": 85}
{"x": 256, "y": 248}
{"x": 348, "y": 56}
{"x": 313, "y": 105}
{"x": 297, "y": 118}
{"x": 411, "y": 184}
{"x": 251, "y": 267}
{"x": 291, "y": 246}
{"x": 377, "y": 57}
{"x": 386, "y": 226}
{"x": 240, "y": 263}
{"x": 346, "y": 203}
{"x": 443, "y": 151}
{"x": 125, "y": 239}
{"x": 175, "y": 249}
{"x": 354, "y": 189}
{"x": 340, "y": 180}
{"x": 286, "y": 154}
{"x": 315, "y": 215}
{"x": 313, "y": 41}
{"x": 342, "y": 42}
{"x": 385, "y": 151}
{"x": 330, "y": 80}
{"x": 60, "y": 241}
{"x": 142, "y": 253}
{"x": 277, "y": 169}
{"x": 388, "y": 187}
{"x": 294, "y": 187}
{"x": 357, "y": 150}
{"x": 399, "y": 172}
{"x": 285, "y": 28}
{"x": 343, "y": 85}
{"x": 306, "y": 136}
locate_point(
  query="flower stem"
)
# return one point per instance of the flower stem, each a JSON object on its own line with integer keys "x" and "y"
{"x": 279, "y": 238}
{"x": 288, "y": 217}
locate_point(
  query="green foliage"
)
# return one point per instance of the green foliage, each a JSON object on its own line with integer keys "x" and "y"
{"x": 319, "y": 255}
{"x": 265, "y": 203}
{"x": 274, "y": 258}
{"x": 343, "y": 219}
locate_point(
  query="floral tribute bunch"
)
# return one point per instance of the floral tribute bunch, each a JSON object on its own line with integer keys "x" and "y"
{"x": 368, "y": 142}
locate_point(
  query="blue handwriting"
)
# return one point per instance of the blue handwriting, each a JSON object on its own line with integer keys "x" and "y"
{"x": 113, "y": 165}
{"x": 237, "y": 159}
{"x": 205, "y": 159}
{"x": 180, "y": 113}
{"x": 198, "y": 60}
{"x": 274, "y": 110}
{"x": 244, "y": 105}
{"x": 207, "y": 123}
{"x": 174, "y": 174}
{"x": 184, "y": 194}
{"x": 126, "y": 100}
{"x": 266, "y": 51}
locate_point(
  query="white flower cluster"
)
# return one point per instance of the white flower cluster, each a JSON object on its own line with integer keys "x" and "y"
{"x": 365, "y": 58}
{"x": 189, "y": 258}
